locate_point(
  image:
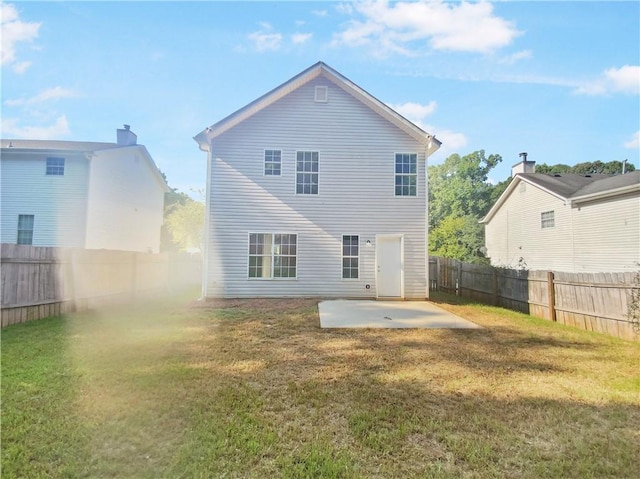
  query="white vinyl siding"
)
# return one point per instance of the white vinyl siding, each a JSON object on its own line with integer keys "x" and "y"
{"x": 58, "y": 202}
{"x": 125, "y": 206}
{"x": 356, "y": 151}
{"x": 601, "y": 236}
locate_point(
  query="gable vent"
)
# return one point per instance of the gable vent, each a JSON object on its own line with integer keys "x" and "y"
{"x": 321, "y": 94}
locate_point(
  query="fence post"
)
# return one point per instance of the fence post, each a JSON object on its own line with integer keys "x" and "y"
{"x": 552, "y": 296}
{"x": 495, "y": 286}
{"x": 459, "y": 279}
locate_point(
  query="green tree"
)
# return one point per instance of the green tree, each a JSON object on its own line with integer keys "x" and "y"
{"x": 459, "y": 196}
{"x": 586, "y": 168}
{"x": 459, "y": 237}
{"x": 185, "y": 223}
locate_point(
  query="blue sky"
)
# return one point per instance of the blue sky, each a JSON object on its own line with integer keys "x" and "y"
{"x": 559, "y": 80}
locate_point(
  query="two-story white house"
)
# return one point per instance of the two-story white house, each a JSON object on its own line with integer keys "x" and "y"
{"x": 566, "y": 222}
{"x": 316, "y": 189}
{"x": 81, "y": 194}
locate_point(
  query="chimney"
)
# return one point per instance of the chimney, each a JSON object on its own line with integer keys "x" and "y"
{"x": 524, "y": 166}
{"x": 126, "y": 137}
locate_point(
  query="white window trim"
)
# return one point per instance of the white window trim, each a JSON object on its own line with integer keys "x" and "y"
{"x": 272, "y": 278}
{"x": 417, "y": 174}
{"x": 46, "y": 165}
{"x": 295, "y": 169}
{"x": 542, "y": 220}
{"x": 321, "y": 98}
{"x": 342, "y": 257}
{"x": 264, "y": 170}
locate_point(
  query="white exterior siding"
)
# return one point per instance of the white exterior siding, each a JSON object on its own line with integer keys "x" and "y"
{"x": 515, "y": 232}
{"x": 125, "y": 207}
{"x": 614, "y": 245}
{"x": 599, "y": 236}
{"x": 58, "y": 203}
{"x": 356, "y": 196}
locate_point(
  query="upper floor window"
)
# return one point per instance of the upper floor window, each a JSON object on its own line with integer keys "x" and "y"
{"x": 272, "y": 162}
{"x": 547, "y": 219}
{"x": 406, "y": 174}
{"x": 350, "y": 256}
{"x": 307, "y": 172}
{"x": 25, "y": 229}
{"x": 55, "y": 166}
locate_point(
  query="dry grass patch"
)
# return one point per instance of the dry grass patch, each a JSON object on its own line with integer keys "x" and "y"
{"x": 254, "y": 388}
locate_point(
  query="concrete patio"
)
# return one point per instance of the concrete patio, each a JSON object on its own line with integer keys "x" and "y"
{"x": 388, "y": 314}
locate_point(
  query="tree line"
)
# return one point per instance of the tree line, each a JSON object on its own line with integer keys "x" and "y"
{"x": 460, "y": 195}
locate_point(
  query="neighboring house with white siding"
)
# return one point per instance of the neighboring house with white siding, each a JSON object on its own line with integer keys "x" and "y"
{"x": 81, "y": 194}
{"x": 316, "y": 189}
{"x": 568, "y": 222}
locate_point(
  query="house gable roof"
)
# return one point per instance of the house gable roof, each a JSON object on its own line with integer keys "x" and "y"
{"x": 572, "y": 188}
{"x": 206, "y": 136}
{"x": 88, "y": 148}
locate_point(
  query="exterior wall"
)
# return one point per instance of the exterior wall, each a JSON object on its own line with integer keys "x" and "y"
{"x": 515, "y": 232}
{"x": 600, "y": 236}
{"x": 607, "y": 235}
{"x": 356, "y": 196}
{"x": 58, "y": 203}
{"x": 125, "y": 207}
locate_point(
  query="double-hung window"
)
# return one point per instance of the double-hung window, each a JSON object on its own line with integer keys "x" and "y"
{"x": 273, "y": 255}
{"x": 350, "y": 257}
{"x": 55, "y": 166}
{"x": 307, "y": 172}
{"x": 25, "y": 229}
{"x": 272, "y": 162}
{"x": 406, "y": 174}
{"x": 547, "y": 219}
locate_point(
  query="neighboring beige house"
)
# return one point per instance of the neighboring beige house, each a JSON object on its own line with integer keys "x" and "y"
{"x": 316, "y": 189}
{"x": 81, "y": 194}
{"x": 573, "y": 223}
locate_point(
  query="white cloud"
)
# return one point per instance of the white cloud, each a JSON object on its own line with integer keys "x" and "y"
{"x": 11, "y": 128}
{"x": 511, "y": 59}
{"x": 634, "y": 142}
{"x": 50, "y": 94}
{"x": 415, "y": 112}
{"x": 14, "y": 31}
{"x": 625, "y": 79}
{"x": 320, "y": 13}
{"x": 266, "y": 39}
{"x": 300, "y": 38}
{"x": 410, "y": 27}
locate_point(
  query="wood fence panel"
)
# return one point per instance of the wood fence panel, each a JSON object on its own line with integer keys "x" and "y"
{"x": 39, "y": 282}
{"x": 591, "y": 301}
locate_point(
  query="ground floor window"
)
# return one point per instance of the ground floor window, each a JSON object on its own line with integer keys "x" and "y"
{"x": 273, "y": 255}
{"x": 25, "y": 229}
{"x": 350, "y": 256}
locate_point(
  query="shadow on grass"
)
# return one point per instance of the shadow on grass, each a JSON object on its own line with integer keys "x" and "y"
{"x": 256, "y": 389}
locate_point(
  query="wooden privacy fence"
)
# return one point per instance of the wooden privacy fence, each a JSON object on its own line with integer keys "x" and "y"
{"x": 592, "y": 301}
{"x": 38, "y": 281}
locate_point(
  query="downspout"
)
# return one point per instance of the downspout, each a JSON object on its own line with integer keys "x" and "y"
{"x": 430, "y": 145}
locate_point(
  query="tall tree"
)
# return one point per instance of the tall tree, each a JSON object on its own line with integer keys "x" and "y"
{"x": 459, "y": 196}
{"x": 185, "y": 222}
{"x": 586, "y": 168}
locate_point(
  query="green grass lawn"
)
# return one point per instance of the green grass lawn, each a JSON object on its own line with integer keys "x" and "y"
{"x": 256, "y": 389}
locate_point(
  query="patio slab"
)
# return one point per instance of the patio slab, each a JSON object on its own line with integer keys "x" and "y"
{"x": 343, "y": 313}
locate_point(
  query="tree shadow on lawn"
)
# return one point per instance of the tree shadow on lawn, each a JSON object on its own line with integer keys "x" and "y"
{"x": 409, "y": 403}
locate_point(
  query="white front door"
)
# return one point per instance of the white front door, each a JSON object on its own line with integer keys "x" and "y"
{"x": 389, "y": 266}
